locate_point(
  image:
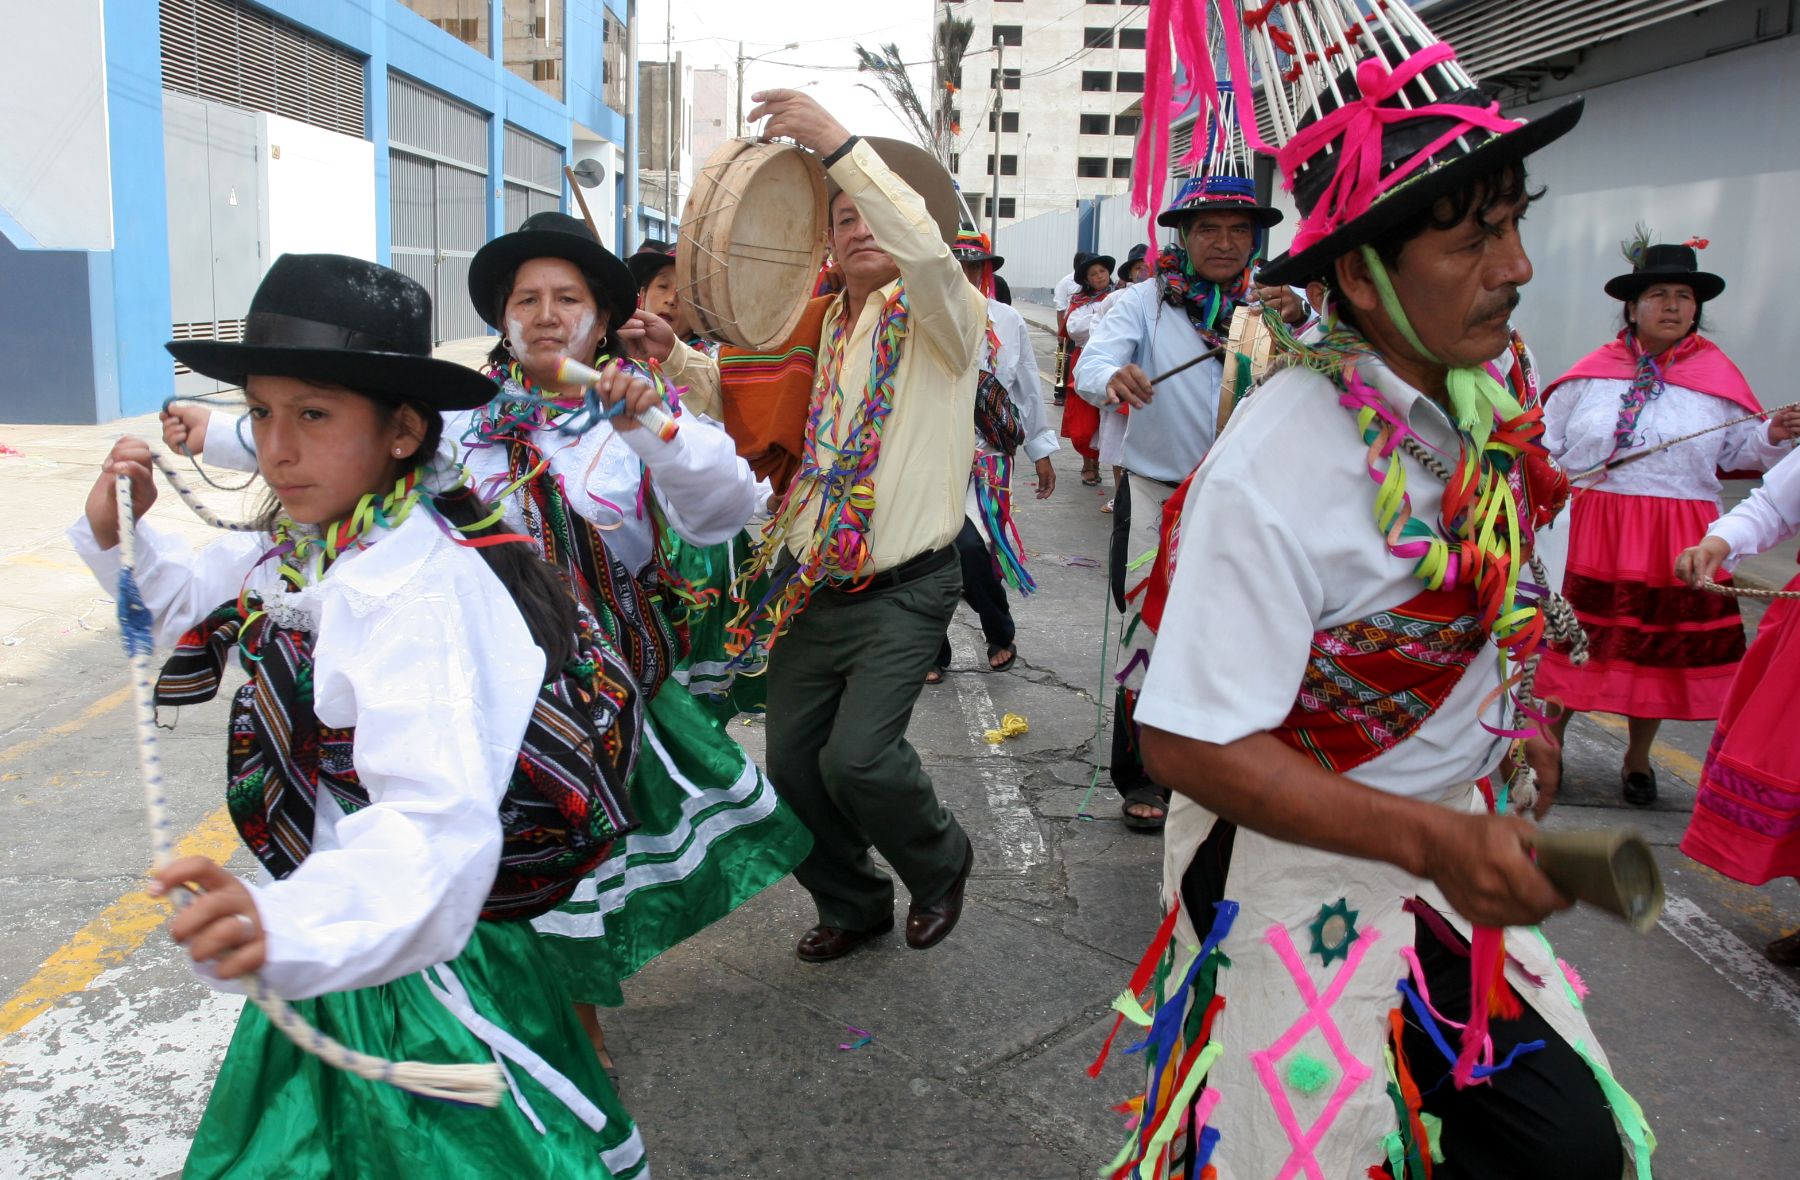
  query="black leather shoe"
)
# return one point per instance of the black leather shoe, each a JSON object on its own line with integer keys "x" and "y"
{"x": 821, "y": 944}
{"x": 1639, "y": 789}
{"x": 928, "y": 925}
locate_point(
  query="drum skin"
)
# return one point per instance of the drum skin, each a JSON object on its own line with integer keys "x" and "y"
{"x": 752, "y": 239}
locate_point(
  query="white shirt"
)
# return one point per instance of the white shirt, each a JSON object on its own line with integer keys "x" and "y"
{"x": 1066, "y": 289}
{"x": 708, "y": 492}
{"x": 1166, "y": 439}
{"x": 1016, "y": 367}
{"x": 1579, "y": 417}
{"x": 1768, "y": 517}
{"x": 1278, "y": 542}
{"x": 421, "y": 649}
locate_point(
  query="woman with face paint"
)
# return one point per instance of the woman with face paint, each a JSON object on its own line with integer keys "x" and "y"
{"x": 1657, "y": 649}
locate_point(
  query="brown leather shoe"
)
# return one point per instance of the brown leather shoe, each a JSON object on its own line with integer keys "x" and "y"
{"x": 928, "y": 925}
{"x": 821, "y": 944}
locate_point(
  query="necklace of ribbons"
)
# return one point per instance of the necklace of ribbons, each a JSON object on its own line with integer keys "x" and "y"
{"x": 837, "y": 468}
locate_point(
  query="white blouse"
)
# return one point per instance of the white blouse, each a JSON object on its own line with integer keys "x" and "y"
{"x": 420, "y": 648}
{"x": 1579, "y": 417}
{"x": 1015, "y": 365}
{"x": 707, "y": 491}
{"x": 1768, "y": 517}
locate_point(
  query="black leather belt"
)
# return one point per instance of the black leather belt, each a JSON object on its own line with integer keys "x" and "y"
{"x": 910, "y": 570}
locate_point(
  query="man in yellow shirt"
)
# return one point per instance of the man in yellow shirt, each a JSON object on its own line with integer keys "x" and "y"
{"x": 869, "y": 524}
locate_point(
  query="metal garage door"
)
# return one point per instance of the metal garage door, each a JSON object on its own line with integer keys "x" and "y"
{"x": 437, "y": 183}
{"x": 534, "y": 179}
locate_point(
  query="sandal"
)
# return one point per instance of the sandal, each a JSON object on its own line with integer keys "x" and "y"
{"x": 994, "y": 649}
{"x": 1145, "y": 796}
{"x": 1639, "y": 788}
{"x": 935, "y": 676}
{"x": 1107, "y": 508}
{"x": 1785, "y": 951}
{"x": 1090, "y": 479}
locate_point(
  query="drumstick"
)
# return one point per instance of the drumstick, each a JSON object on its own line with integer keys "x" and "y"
{"x": 1186, "y": 365}
{"x": 575, "y": 187}
{"x": 655, "y": 419}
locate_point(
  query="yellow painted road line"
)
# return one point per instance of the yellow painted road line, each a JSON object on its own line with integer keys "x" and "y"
{"x": 99, "y": 708}
{"x": 1685, "y": 765}
{"x": 110, "y": 938}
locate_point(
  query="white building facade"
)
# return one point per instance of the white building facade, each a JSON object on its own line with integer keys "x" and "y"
{"x": 1061, "y": 84}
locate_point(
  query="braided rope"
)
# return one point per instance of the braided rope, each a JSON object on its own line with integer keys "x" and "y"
{"x": 1612, "y": 464}
{"x": 1712, "y": 587}
{"x": 479, "y": 1085}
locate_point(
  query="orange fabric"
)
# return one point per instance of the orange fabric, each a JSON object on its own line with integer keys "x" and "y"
{"x": 767, "y": 394}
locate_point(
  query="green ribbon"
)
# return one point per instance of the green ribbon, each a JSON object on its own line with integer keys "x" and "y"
{"x": 1475, "y": 396}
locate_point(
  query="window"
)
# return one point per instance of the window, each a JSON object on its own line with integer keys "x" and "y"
{"x": 1092, "y": 80}
{"x": 1137, "y": 2}
{"x": 1126, "y": 124}
{"x": 955, "y": 163}
{"x": 1090, "y": 166}
{"x": 1121, "y": 167}
{"x": 1130, "y": 83}
{"x": 533, "y": 45}
{"x": 1094, "y": 124}
{"x": 1009, "y": 34}
{"x": 1008, "y": 207}
{"x": 1009, "y": 165}
{"x": 1097, "y": 38}
{"x": 1008, "y": 120}
{"x": 466, "y": 20}
{"x": 1131, "y": 38}
{"x": 1012, "y": 79}
{"x": 614, "y": 64}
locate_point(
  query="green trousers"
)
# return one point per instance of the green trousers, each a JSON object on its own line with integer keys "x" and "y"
{"x": 842, "y": 685}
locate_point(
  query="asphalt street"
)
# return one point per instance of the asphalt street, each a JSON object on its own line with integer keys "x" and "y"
{"x": 738, "y": 1060}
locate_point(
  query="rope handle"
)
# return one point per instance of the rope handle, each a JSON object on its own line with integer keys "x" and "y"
{"x": 1712, "y": 587}
{"x": 478, "y": 1085}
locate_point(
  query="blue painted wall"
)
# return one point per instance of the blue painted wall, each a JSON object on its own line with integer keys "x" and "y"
{"x": 99, "y": 318}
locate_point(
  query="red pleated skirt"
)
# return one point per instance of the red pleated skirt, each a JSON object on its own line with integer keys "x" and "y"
{"x": 1080, "y": 421}
{"x": 1656, "y": 648}
{"x": 1746, "y": 823}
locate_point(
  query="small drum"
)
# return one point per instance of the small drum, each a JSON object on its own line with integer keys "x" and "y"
{"x": 1248, "y": 341}
{"x": 752, "y": 238}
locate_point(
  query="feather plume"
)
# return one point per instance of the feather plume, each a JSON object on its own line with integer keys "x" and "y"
{"x": 1635, "y": 247}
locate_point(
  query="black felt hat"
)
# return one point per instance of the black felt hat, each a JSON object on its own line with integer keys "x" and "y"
{"x": 1477, "y": 152}
{"x": 341, "y": 321}
{"x": 1216, "y": 194}
{"x": 1107, "y": 260}
{"x": 550, "y": 235}
{"x": 650, "y": 260}
{"x": 972, "y": 247}
{"x": 1666, "y": 264}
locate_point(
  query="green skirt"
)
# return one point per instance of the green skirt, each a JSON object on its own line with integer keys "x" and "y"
{"x": 712, "y": 835}
{"x": 277, "y": 1113}
{"x": 725, "y": 688}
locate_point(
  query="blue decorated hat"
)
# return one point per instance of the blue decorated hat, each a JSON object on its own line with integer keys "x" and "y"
{"x": 1224, "y": 194}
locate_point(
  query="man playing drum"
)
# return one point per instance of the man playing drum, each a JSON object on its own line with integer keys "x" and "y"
{"x": 868, "y": 529}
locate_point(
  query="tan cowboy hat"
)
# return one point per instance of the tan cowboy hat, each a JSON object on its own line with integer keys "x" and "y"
{"x": 920, "y": 171}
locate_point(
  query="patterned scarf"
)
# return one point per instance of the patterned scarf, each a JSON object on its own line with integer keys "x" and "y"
{"x": 1208, "y": 304}
{"x": 626, "y": 606}
{"x": 836, "y": 482}
{"x": 1646, "y": 385}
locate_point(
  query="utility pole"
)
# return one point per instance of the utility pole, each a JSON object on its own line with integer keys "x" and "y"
{"x": 669, "y": 120}
{"x": 631, "y": 128}
{"x": 999, "y": 107}
{"x": 740, "y": 90}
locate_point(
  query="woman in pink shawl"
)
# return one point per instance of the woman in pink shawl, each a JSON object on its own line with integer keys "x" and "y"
{"x": 1658, "y": 649}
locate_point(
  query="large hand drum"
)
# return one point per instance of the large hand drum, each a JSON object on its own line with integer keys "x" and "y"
{"x": 752, "y": 239}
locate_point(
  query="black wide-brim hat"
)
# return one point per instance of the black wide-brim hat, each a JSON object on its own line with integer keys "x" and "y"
{"x": 340, "y": 321}
{"x": 1476, "y": 153}
{"x": 646, "y": 264}
{"x": 550, "y": 235}
{"x": 1112, "y": 264}
{"x": 1666, "y": 264}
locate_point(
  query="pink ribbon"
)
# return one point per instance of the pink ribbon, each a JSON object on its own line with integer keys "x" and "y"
{"x": 1358, "y": 180}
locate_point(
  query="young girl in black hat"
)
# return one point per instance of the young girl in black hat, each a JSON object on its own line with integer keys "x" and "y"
{"x": 411, "y": 668}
